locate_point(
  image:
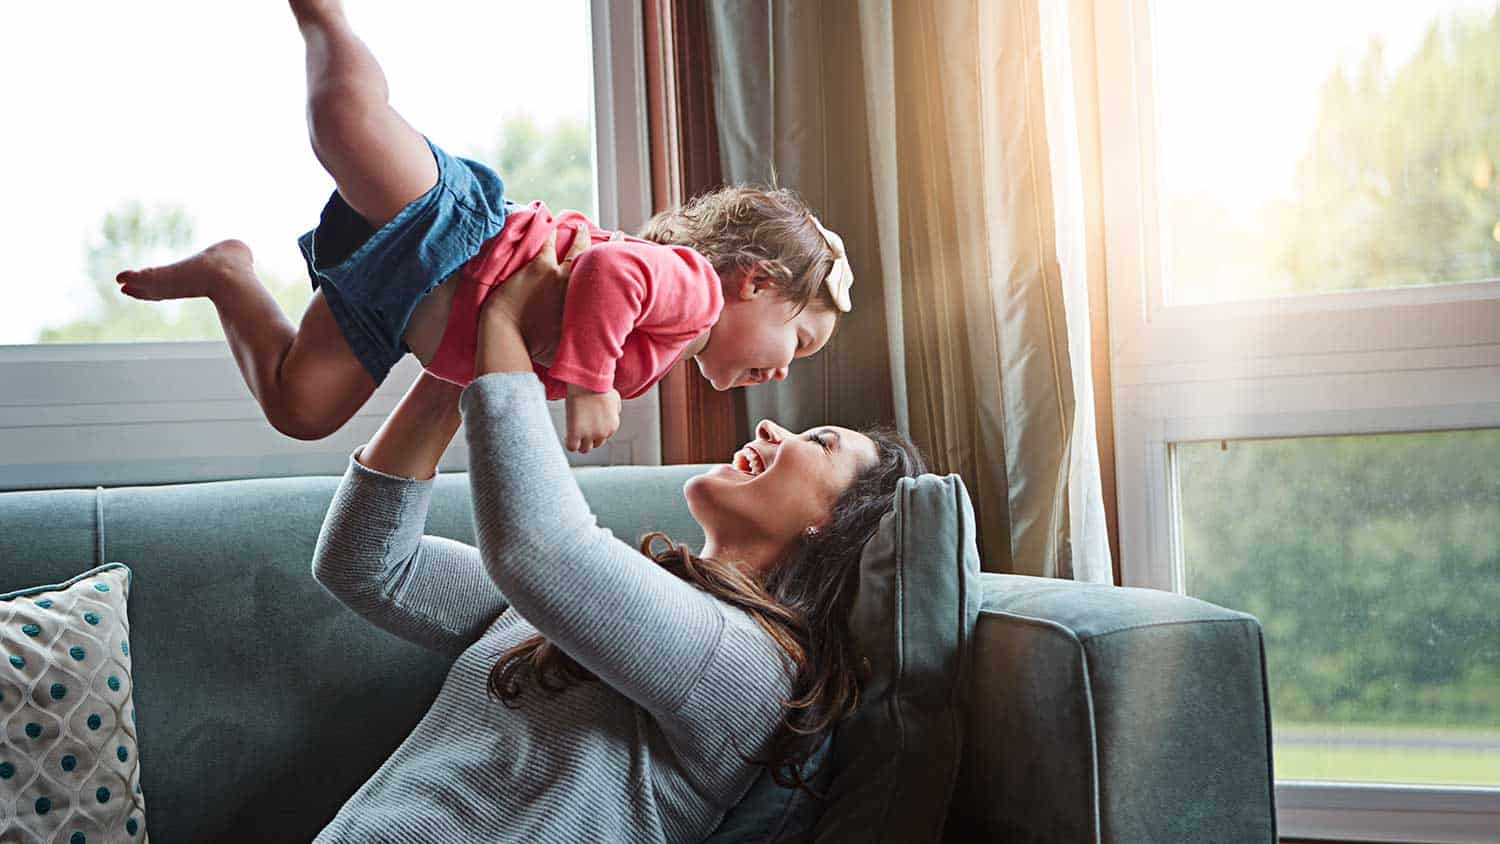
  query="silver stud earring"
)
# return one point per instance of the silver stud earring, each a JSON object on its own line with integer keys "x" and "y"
{"x": 812, "y": 532}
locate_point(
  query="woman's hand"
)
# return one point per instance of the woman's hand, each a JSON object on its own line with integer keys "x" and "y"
{"x": 532, "y": 299}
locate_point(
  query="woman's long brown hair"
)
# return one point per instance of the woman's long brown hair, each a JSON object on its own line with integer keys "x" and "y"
{"x": 803, "y": 605}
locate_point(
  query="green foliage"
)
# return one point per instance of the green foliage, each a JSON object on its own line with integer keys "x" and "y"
{"x": 128, "y": 237}
{"x": 555, "y": 164}
{"x": 1373, "y": 563}
{"x": 1398, "y": 185}
{"x": 131, "y": 237}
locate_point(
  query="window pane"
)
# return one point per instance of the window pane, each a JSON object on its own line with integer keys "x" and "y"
{"x": 1373, "y": 563}
{"x": 1334, "y": 145}
{"x": 165, "y": 126}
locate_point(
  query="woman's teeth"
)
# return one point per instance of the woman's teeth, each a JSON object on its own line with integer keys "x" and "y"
{"x": 749, "y": 462}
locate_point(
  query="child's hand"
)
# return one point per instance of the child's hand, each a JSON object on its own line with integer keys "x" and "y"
{"x": 592, "y": 418}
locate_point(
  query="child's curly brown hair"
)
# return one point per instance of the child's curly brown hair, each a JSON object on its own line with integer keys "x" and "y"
{"x": 744, "y": 227}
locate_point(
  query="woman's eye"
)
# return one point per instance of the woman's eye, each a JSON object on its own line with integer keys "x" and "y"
{"x": 820, "y": 439}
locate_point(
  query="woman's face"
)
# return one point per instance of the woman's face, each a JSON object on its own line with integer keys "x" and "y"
{"x": 778, "y": 485}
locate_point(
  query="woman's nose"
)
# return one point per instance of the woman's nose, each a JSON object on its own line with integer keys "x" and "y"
{"x": 769, "y": 431}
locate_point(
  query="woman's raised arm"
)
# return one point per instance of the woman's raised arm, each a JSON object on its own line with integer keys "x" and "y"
{"x": 635, "y": 625}
{"x": 372, "y": 553}
{"x": 413, "y": 438}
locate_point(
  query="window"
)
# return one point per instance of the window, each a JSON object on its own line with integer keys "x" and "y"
{"x": 1360, "y": 156}
{"x": 159, "y": 129}
{"x": 1373, "y": 564}
{"x": 163, "y": 134}
{"x": 1303, "y": 247}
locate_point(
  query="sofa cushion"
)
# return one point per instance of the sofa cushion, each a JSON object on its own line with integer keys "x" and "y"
{"x": 69, "y": 767}
{"x": 772, "y": 814}
{"x": 896, "y": 758}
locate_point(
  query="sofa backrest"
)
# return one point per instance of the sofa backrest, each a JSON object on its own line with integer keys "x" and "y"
{"x": 261, "y": 702}
{"x": 1095, "y": 714}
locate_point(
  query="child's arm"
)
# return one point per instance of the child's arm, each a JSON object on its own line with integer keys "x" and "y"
{"x": 609, "y": 291}
{"x": 616, "y": 289}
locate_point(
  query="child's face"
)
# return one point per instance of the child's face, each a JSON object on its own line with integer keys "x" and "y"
{"x": 759, "y": 334}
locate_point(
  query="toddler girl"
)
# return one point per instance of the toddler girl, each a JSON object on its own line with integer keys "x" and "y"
{"x": 741, "y": 280}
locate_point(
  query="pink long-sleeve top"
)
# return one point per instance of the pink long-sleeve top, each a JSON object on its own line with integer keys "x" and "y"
{"x": 632, "y": 305}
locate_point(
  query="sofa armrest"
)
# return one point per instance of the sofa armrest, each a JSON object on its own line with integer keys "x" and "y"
{"x": 1106, "y": 714}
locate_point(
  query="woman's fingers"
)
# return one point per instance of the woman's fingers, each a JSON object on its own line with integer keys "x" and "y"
{"x": 533, "y": 296}
{"x": 581, "y": 241}
{"x": 548, "y": 255}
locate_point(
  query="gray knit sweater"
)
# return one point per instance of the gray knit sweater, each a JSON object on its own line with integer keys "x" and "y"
{"x": 648, "y": 754}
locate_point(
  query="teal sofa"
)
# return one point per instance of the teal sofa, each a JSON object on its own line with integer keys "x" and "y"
{"x": 1094, "y": 714}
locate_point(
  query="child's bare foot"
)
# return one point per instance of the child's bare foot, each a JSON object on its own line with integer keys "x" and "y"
{"x": 225, "y": 263}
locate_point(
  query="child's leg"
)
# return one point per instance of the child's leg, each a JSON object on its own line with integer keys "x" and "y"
{"x": 377, "y": 160}
{"x": 307, "y": 380}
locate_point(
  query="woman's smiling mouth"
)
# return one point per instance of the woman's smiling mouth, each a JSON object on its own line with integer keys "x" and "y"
{"x": 749, "y": 461}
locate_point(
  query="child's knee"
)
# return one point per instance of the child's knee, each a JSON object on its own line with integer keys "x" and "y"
{"x": 305, "y": 420}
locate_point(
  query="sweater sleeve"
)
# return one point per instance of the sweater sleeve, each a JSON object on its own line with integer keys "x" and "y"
{"x": 636, "y": 626}
{"x": 609, "y": 290}
{"x": 371, "y": 555}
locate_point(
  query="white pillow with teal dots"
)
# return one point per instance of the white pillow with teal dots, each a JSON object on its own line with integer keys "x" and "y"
{"x": 68, "y": 762}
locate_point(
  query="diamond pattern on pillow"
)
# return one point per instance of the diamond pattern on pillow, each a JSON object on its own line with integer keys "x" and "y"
{"x": 68, "y": 761}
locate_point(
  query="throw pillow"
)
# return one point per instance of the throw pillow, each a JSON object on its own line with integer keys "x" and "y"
{"x": 771, "y": 814}
{"x": 68, "y": 760}
{"x": 895, "y": 759}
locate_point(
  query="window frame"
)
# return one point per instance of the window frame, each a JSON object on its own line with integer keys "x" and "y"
{"x": 1358, "y": 362}
{"x": 170, "y": 412}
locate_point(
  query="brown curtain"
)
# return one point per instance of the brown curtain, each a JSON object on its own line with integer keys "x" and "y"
{"x": 699, "y": 424}
{"x": 940, "y": 139}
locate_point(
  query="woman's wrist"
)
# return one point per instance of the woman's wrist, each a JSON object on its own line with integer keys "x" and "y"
{"x": 413, "y": 438}
{"x": 501, "y": 346}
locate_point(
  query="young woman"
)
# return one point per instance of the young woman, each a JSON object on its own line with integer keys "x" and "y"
{"x": 598, "y": 692}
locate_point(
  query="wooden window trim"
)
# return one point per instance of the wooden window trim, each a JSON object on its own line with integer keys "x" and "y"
{"x": 698, "y": 423}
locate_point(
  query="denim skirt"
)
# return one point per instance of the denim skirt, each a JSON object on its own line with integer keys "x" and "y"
{"x": 372, "y": 278}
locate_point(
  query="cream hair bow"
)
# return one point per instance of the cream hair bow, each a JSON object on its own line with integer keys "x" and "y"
{"x": 841, "y": 277}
